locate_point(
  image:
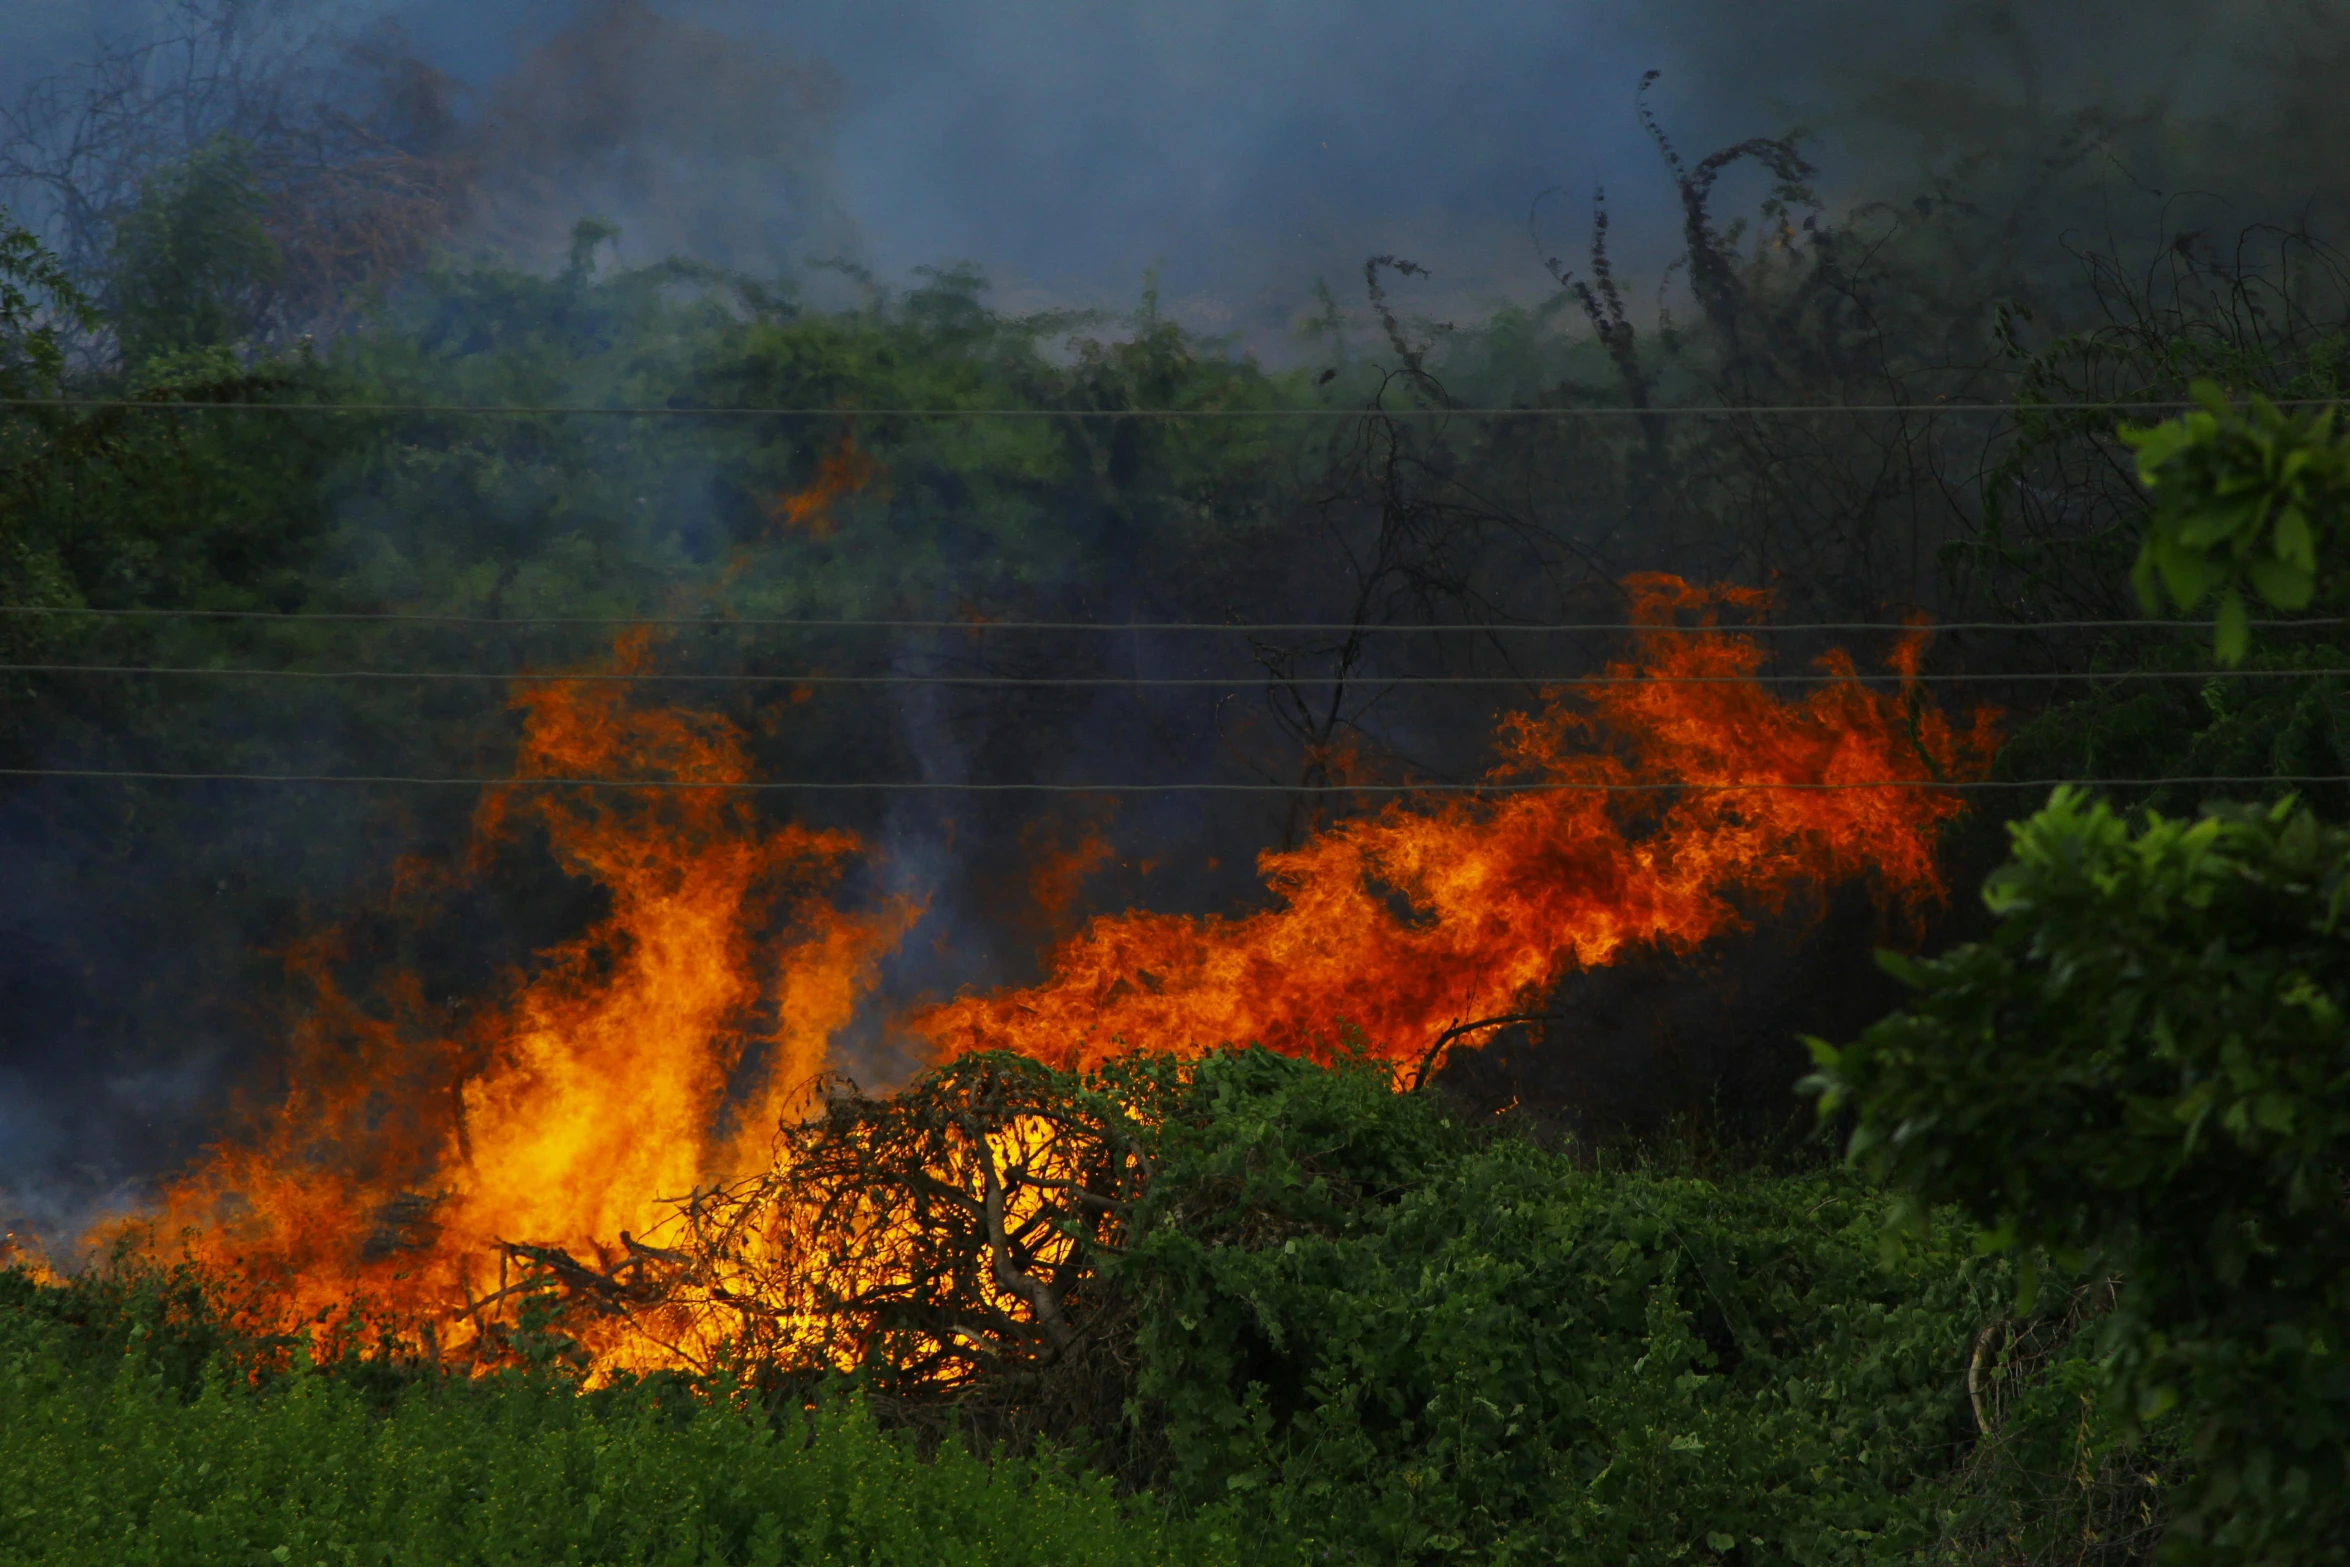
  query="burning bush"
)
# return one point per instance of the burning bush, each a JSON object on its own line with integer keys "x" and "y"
{"x": 943, "y": 1243}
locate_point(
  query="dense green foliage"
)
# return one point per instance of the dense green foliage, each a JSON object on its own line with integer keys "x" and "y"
{"x": 1365, "y": 1328}
{"x": 2244, "y": 498}
{"x": 116, "y": 1449}
{"x": 2285, "y": 716}
{"x": 2146, "y": 1070}
{"x": 191, "y": 259}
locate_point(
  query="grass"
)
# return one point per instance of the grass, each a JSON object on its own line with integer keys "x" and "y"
{"x": 117, "y": 1447}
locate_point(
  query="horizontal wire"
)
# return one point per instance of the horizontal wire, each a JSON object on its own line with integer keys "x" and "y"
{"x": 1246, "y": 628}
{"x": 1212, "y": 682}
{"x": 928, "y": 786}
{"x": 657, "y": 411}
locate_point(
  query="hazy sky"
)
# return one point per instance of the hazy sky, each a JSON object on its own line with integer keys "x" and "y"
{"x": 1246, "y": 147}
{"x": 1243, "y": 146}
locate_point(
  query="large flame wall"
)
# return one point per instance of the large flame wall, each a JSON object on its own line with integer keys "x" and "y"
{"x": 397, "y": 1158}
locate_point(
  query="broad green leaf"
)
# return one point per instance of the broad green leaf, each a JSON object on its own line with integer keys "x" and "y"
{"x": 2282, "y": 584}
{"x": 2295, "y": 543}
{"x": 2184, "y": 572}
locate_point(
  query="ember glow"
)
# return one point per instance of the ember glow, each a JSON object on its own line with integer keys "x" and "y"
{"x": 625, "y": 1097}
{"x": 1422, "y": 916}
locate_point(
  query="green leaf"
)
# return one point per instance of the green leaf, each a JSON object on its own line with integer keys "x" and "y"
{"x": 2233, "y": 634}
{"x": 2221, "y": 524}
{"x": 2184, "y": 572}
{"x": 2282, "y": 584}
{"x": 2295, "y": 542}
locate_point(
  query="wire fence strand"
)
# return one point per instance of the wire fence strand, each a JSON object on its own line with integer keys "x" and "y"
{"x": 1193, "y": 682}
{"x": 1115, "y": 627}
{"x": 935, "y": 786}
{"x": 754, "y": 411}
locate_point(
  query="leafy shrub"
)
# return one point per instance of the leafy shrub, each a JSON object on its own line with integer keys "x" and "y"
{"x": 1361, "y": 1326}
{"x": 2146, "y": 1071}
{"x": 2242, "y": 499}
{"x": 2289, "y": 719}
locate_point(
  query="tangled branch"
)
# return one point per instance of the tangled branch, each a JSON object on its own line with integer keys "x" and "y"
{"x": 928, "y": 1238}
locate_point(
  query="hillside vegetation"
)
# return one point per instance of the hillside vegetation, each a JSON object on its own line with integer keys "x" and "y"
{"x": 2052, "y": 1266}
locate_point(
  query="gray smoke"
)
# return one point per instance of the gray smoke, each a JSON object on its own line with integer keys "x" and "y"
{"x": 1241, "y": 150}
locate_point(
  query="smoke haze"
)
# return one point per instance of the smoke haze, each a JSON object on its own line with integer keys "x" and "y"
{"x": 1244, "y": 151}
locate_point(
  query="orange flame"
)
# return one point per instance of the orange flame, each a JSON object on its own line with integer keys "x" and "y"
{"x": 1405, "y": 922}
{"x": 25, "y": 1255}
{"x": 847, "y": 469}
{"x": 400, "y": 1157}
{"x": 593, "y": 1108}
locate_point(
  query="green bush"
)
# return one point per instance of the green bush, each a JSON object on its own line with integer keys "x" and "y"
{"x": 1363, "y": 1327}
{"x": 2242, "y": 499}
{"x": 2146, "y": 1071}
{"x": 2288, "y": 718}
